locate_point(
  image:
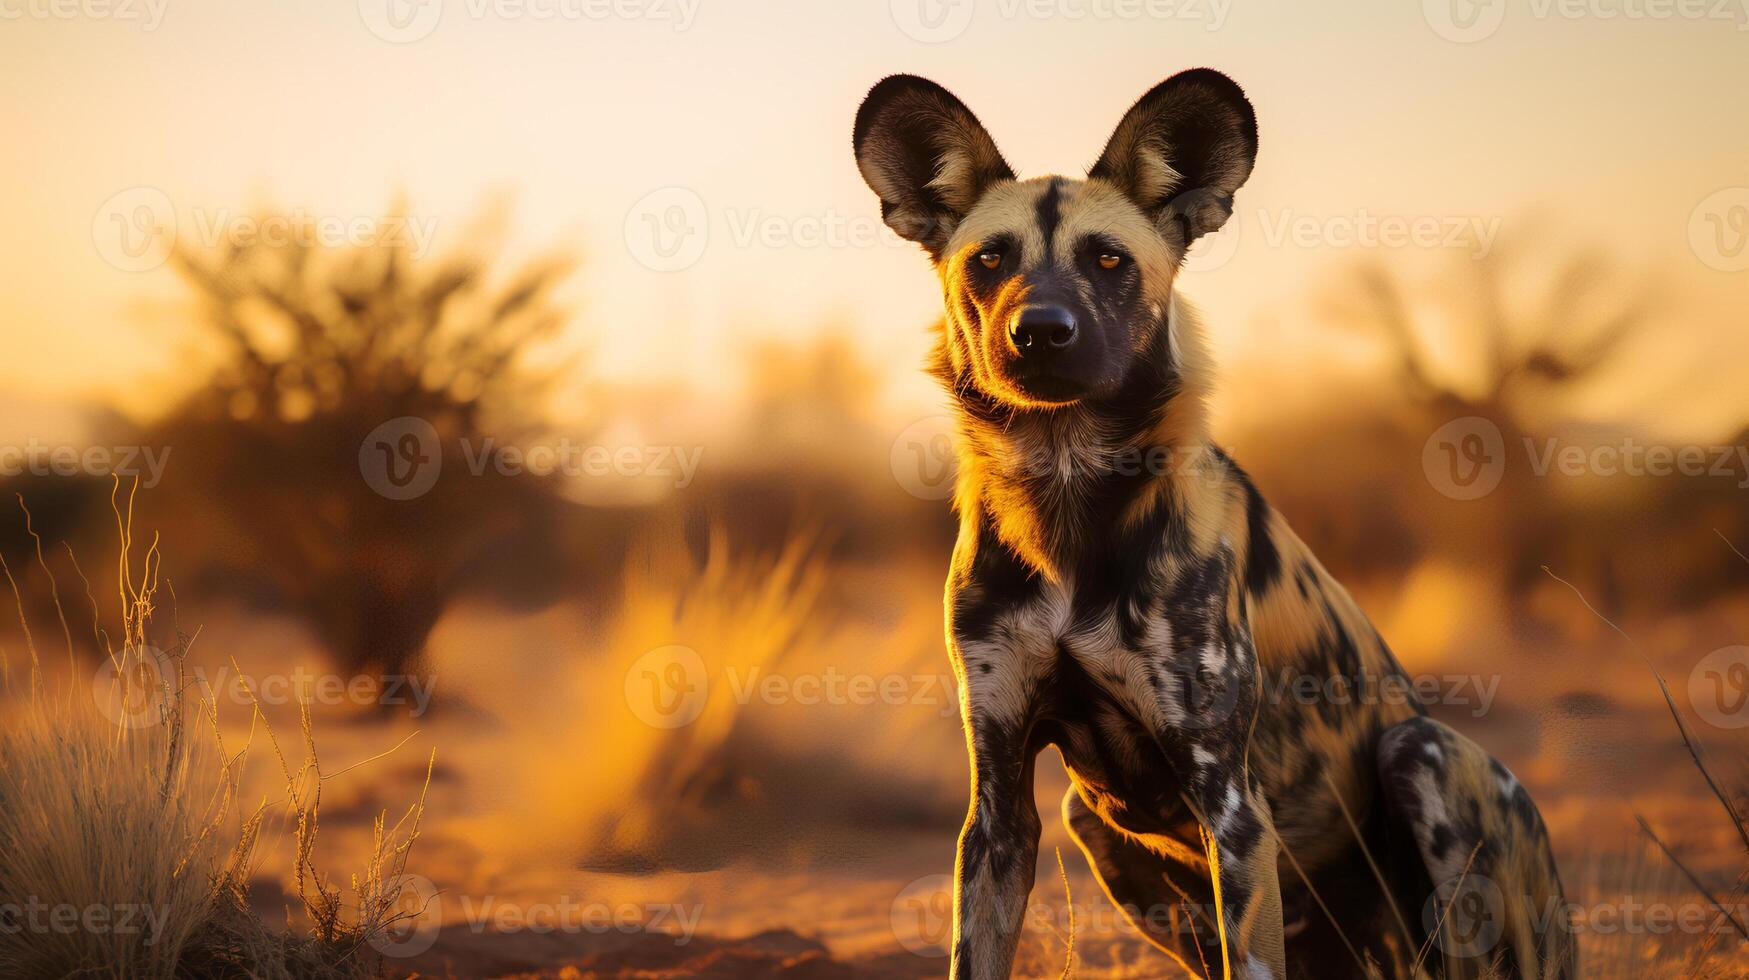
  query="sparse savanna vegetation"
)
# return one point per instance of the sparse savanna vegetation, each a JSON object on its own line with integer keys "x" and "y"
{"x": 732, "y": 695}
{"x": 127, "y": 846}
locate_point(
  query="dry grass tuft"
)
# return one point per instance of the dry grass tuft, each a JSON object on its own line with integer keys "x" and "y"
{"x": 741, "y": 615}
{"x": 124, "y": 850}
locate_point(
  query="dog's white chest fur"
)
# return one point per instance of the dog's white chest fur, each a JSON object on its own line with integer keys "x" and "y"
{"x": 1024, "y": 649}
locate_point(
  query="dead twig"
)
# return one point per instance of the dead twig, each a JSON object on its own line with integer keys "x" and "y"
{"x": 1692, "y": 879}
{"x": 1688, "y": 738}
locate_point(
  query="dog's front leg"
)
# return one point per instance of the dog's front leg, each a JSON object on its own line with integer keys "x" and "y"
{"x": 1241, "y": 845}
{"x": 998, "y": 847}
{"x": 1209, "y": 711}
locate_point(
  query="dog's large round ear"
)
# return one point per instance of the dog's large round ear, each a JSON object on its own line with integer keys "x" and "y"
{"x": 925, "y": 156}
{"x": 1182, "y": 151}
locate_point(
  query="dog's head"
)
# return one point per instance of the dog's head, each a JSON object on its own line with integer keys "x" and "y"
{"x": 1056, "y": 288}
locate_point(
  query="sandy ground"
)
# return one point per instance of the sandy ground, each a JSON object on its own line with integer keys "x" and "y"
{"x": 540, "y": 758}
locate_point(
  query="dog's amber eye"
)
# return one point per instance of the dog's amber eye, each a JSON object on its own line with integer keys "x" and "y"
{"x": 1110, "y": 261}
{"x": 990, "y": 260}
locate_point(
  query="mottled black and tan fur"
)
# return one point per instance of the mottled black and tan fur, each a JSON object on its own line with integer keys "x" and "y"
{"x": 1121, "y": 591}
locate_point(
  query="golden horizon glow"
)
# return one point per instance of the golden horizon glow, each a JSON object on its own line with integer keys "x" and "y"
{"x": 1609, "y": 126}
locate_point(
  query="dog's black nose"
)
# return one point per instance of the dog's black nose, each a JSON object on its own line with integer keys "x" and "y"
{"x": 1041, "y": 329}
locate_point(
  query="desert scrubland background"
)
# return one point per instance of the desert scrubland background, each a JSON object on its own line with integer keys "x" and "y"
{"x": 534, "y": 384}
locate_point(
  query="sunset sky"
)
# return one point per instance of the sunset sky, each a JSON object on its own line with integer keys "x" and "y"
{"x": 1617, "y": 125}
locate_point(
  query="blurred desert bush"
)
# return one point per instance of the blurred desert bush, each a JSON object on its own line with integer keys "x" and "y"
{"x": 317, "y": 348}
{"x": 1530, "y": 339}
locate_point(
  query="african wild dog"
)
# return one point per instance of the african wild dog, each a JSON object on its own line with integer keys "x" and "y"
{"x": 1120, "y": 590}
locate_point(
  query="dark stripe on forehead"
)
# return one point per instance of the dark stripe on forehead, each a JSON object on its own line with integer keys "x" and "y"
{"x": 1050, "y": 214}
